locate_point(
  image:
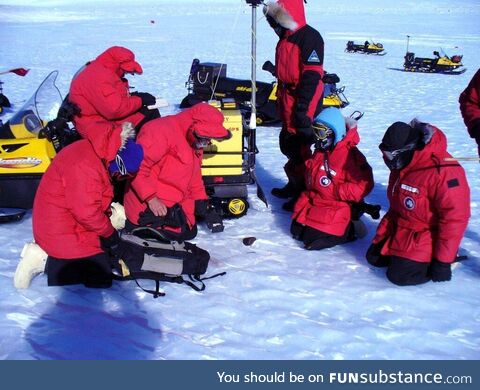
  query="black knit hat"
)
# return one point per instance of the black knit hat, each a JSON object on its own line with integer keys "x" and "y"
{"x": 399, "y": 135}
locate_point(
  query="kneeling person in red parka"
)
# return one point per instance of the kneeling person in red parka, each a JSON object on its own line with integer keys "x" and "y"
{"x": 72, "y": 206}
{"x": 418, "y": 238}
{"x": 163, "y": 193}
{"x": 337, "y": 176}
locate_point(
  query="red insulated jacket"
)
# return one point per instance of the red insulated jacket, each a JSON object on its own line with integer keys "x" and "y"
{"x": 470, "y": 104}
{"x": 429, "y": 205}
{"x": 334, "y": 180}
{"x": 72, "y": 202}
{"x": 171, "y": 168}
{"x": 103, "y": 97}
{"x": 299, "y": 66}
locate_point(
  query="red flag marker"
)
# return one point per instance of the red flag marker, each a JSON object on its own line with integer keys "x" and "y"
{"x": 17, "y": 71}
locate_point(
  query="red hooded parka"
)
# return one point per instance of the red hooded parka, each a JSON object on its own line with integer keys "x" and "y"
{"x": 470, "y": 104}
{"x": 72, "y": 203}
{"x": 103, "y": 97}
{"x": 171, "y": 168}
{"x": 334, "y": 180}
{"x": 299, "y": 64}
{"x": 429, "y": 205}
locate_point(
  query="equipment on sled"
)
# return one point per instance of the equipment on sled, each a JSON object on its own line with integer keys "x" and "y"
{"x": 147, "y": 256}
{"x": 439, "y": 64}
{"x": 208, "y": 80}
{"x": 366, "y": 48}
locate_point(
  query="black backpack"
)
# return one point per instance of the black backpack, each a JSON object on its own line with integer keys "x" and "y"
{"x": 145, "y": 257}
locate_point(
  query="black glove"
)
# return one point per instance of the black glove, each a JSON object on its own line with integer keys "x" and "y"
{"x": 147, "y": 98}
{"x": 111, "y": 244}
{"x": 374, "y": 257}
{"x": 301, "y": 119}
{"x": 440, "y": 272}
{"x": 269, "y": 67}
{"x": 306, "y": 134}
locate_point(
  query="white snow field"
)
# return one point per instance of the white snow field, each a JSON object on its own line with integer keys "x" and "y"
{"x": 277, "y": 300}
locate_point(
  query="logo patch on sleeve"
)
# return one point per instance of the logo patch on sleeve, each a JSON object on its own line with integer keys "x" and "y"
{"x": 325, "y": 181}
{"x": 314, "y": 57}
{"x": 453, "y": 183}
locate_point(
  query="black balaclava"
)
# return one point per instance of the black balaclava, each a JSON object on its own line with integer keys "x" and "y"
{"x": 399, "y": 144}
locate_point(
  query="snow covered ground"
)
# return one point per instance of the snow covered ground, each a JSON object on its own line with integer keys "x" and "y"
{"x": 277, "y": 300}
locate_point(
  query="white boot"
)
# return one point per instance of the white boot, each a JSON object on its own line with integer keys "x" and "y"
{"x": 32, "y": 262}
{"x": 118, "y": 216}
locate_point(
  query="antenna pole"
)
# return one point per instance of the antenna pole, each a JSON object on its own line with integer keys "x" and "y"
{"x": 408, "y": 40}
{"x": 253, "y": 116}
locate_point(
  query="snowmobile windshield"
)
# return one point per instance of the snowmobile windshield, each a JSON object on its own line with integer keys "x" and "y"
{"x": 42, "y": 106}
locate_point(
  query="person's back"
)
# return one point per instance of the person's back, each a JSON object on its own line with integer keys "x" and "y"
{"x": 63, "y": 224}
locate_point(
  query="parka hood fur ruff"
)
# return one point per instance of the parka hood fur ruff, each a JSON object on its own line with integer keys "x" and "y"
{"x": 280, "y": 15}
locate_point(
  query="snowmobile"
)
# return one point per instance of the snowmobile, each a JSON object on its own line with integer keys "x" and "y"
{"x": 209, "y": 80}
{"x": 439, "y": 64}
{"x": 30, "y": 139}
{"x": 366, "y": 48}
{"x": 25, "y": 149}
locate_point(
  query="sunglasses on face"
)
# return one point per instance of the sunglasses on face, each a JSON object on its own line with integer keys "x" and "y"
{"x": 201, "y": 142}
{"x": 391, "y": 155}
{"x": 321, "y": 131}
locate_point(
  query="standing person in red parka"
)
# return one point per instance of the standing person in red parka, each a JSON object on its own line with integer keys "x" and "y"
{"x": 470, "y": 108}
{"x": 418, "y": 238}
{"x": 299, "y": 70}
{"x": 163, "y": 193}
{"x": 337, "y": 176}
{"x": 72, "y": 206}
{"x": 101, "y": 92}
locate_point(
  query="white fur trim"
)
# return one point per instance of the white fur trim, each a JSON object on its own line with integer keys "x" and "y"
{"x": 128, "y": 132}
{"x": 281, "y": 15}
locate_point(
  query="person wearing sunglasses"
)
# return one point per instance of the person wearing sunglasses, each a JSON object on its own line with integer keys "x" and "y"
{"x": 71, "y": 209}
{"x": 164, "y": 192}
{"x": 299, "y": 69}
{"x": 337, "y": 176}
{"x": 470, "y": 108}
{"x": 419, "y": 236}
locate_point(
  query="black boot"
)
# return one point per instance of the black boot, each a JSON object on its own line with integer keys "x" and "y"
{"x": 285, "y": 192}
{"x": 290, "y": 204}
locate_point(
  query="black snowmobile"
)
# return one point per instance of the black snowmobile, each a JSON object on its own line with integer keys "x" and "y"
{"x": 365, "y": 48}
{"x": 438, "y": 64}
{"x": 441, "y": 63}
{"x": 209, "y": 81}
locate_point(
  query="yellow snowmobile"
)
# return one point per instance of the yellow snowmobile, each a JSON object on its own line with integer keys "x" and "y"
{"x": 366, "y": 48}
{"x": 25, "y": 151}
{"x": 441, "y": 63}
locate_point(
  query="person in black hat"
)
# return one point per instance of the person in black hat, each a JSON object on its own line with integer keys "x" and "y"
{"x": 418, "y": 238}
